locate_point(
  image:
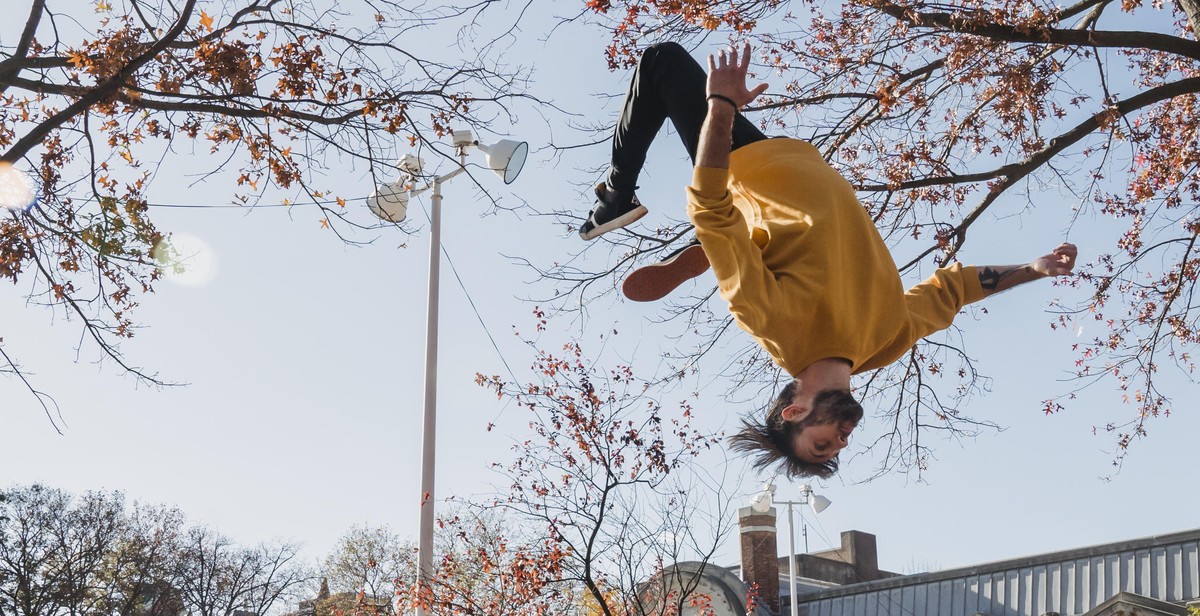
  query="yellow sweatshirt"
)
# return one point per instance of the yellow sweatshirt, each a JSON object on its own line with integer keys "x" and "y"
{"x": 802, "y": 266}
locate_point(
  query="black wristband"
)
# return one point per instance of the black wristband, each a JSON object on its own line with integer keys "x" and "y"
{"x": 722, "y": 97}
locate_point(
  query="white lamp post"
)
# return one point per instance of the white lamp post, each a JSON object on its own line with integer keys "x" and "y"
{"x": 763, "y": 501}
{"x": 390, "y": 202}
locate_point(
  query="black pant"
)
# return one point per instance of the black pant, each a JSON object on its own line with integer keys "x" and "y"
{"x": 668, "y": 83}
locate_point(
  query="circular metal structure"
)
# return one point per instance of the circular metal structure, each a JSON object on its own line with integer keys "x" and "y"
{"x": 693, "y": 588}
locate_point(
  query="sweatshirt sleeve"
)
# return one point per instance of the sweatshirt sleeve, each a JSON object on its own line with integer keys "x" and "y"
{"x": 933, "y": 304}
{"x": 744, "y": 281}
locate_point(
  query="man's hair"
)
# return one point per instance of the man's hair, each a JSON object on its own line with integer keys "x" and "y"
{"x": 770, "y": 440}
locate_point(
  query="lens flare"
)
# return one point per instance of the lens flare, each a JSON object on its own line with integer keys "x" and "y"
{"x": 186, "y": 260}
{"x": 17, "y": 190}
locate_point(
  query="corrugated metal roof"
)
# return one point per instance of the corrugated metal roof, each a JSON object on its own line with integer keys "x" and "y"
{"x": 1165, "y": 567}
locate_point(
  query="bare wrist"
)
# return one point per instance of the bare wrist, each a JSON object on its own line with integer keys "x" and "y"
{"x": 720, "y": 109}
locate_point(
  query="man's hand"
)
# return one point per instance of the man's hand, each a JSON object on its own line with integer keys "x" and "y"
{"x": 727, "y": 77}
{"x": 1058, "y": 263}
{"x": 727, "y": 94}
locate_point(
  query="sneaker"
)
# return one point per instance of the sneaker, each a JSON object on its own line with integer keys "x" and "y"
{"x": 611, "y": 212}
{"x": 654, "y": 282}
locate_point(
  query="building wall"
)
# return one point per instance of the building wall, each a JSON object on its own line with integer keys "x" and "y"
{"x": 1071, "y": 583}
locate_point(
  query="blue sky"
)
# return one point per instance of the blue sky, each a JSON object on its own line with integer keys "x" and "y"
{"x": 303, "y": 363}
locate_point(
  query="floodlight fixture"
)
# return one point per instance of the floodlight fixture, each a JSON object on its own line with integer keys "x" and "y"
{"x": 815, "y": 501}
{"x": 762, "y": 501}
{"x": 389, "y": 202}
{"x": 506, "y": 157}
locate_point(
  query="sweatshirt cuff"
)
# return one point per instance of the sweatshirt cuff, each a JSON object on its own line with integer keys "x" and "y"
{"x": 971, "y": 284}
{"x": 710, "y": 184}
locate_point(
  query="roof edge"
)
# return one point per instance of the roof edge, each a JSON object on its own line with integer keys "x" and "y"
{"x": 1005, "y": 565}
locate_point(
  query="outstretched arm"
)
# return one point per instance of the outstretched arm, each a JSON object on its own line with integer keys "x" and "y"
{"x": 997, "y": 278}
{"x": 727, "y": 94}
{"x": 750, "y": 289}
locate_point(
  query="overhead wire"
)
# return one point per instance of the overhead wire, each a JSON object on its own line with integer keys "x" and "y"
{"x": 217, "y": 206}
{"x": 474, "y": 308}
{"x": 478, "y": 316}
{"x": 462, "y": 285}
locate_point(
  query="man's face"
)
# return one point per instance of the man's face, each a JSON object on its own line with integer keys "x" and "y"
{"x": 821, "y": 442}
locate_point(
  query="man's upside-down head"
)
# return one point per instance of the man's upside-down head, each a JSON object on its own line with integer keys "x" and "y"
{"x": 803, "y": 436}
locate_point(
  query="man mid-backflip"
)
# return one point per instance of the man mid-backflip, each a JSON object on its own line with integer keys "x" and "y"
{"x": 795, "y": 254}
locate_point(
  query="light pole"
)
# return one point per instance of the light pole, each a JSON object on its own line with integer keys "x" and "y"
{"x": 763, "y": 501}
{"x": 390, "y": 203}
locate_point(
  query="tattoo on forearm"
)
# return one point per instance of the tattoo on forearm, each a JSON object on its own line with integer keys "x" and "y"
{"x": 991, "y": 277}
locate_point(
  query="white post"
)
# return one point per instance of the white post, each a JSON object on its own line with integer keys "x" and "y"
{"x": 792, "y": 563}
{"x": 429, "y": 424}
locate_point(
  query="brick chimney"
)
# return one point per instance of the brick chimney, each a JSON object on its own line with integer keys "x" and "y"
{"x": 760, "y": 558}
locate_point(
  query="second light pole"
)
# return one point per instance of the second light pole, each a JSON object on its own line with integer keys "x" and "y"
{"x": 762, "y": 503}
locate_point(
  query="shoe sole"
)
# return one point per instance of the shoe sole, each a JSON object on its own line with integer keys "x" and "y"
{"x": 654, "y": 282}
{"x": 625, "y": 219}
